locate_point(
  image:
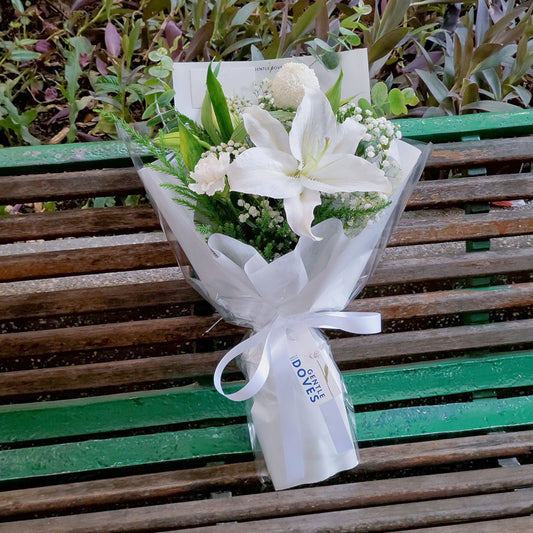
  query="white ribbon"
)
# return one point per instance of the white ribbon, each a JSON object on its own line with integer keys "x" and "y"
{"x": 273, "y": 338}
{"x": 353, "y": 322}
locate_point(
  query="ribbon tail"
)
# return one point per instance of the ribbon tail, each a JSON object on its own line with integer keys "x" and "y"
{"x": 258, "y": 379}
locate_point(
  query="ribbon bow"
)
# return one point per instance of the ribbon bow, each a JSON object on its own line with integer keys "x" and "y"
{"x": 275, "y": 358}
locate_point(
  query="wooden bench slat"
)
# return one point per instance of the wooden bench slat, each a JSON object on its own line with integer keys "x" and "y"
{"x": 144, "y": 488}
{"x": 177, "y": 406}
{"x": 389, "y": 271}
{"x": 460, "y": 227}
{"x": 523, "y": 524}
{"x": 347, "y": 351}
{"x": 389, "y": 517}
{"x": 214, "y": 443}
{"x": 78, "y": 223}
{"x": 124, "y": 181}
{"x": 304, "y": 501}
{"x": 67, "y": 185}
{"x": 159, "y": 255}
{"x": 125, "y": 220}
{"x": 479, "y": 189}
{"x": 86, "y": 261}
{"x": 481, "y": 153}
{"x": 181, "y": 329}
{"x": 413, "y": 269}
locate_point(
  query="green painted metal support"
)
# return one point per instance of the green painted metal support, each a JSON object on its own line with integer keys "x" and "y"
{"x": 63, "y": 157}
{"x": 452, "y": 128}
{"x": 195, "y": 405}
{"x": 208, "y": 444}
{"x": 28, "y": 159}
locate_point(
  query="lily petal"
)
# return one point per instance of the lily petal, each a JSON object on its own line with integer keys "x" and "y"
{"x": 265, "y": 172}
{"x": 264, "y": 130}
{"x": 349, "y": 135}
{"x": 313, "y": 127}
{"x": 299, "y": 210}
{"x": 346, "y": 173}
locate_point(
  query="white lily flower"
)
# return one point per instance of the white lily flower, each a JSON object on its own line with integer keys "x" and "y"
{"x": 316, "y": 156}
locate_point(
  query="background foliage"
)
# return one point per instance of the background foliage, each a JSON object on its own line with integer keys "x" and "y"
{"x": 63, "y": 61}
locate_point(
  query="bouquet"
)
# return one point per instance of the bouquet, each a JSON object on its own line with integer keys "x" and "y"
{"x": 282, "y": 206}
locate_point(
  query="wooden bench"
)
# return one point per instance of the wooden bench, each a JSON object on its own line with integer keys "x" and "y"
{"x": 109, "y": 421}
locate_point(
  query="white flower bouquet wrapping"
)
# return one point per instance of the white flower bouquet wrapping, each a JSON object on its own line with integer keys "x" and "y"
{"x": 238, "y": 196}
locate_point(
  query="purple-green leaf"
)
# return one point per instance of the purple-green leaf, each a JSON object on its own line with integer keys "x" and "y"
{"x": 113, "y": 41}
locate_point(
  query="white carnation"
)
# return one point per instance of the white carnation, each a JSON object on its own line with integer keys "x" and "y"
{"x": 209, "y": 174}
{"x": 289, "y": 83}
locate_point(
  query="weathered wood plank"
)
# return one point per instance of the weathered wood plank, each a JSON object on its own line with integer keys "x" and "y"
{"x": 367, "y": 519}
{"x": 147, "y": 488}
{"x": 180, "y": 329}
{"x": 426, "y": 230}
{"x": 78, "y": 223}
{"x": 124, "y": 220}
{"x": 86, "y": 261}
{"x": 66, "y": 185}
{"x": 156, "y": 255}
{"x": 479, "y": 189}
{"x": 348, "y": 352}
{"x": 124, "y": 181}
{"x": 523, "y": 524}
{"x": 300, "y": 502}
{"x": 390, "y": 517}
{"x": 480, "y": 153}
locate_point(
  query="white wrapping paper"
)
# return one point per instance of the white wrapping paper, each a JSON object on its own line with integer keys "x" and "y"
{"x": 298, "y": 408}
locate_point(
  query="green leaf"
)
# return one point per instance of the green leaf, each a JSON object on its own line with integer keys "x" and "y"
{"x": 240, "y": 44}
{"x": 492, "y": 106}
{"x": 107, "y": 84}
{"x": 208, "y": 121}
{"x": 243, "y": 13}
{"x": 365, "y": 105}
{"x": 494, "y": 81}
{"x": 334, "y": 93}
{"x": 522, "y": 93}
{"x": 158, "y": 72}
{"x": 24, "y": 55}
{"x": 410, "y": 96}
{"x": 104, "y": 201}
{"x": 386, "y": 44}
{"x": 239, "y": 133}
{"x": 220, "y": 105}
{"x": 393, "y": 16}
{"x": 434, "y": 85}
{"x": 17, "y": 4}
{"x": 494, "y": 58}
{"x": 301, "y": 25}
{"x": 379, "y": 94}
{"x": 155, "y": 6}
{"x": 470, "y": 93}
{"x": 330, "y": 60}
{"x": 397, "y": 102}
{"x": 190, "y": 146}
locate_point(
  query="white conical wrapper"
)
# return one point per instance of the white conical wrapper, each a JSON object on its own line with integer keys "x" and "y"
{"x": 318, "y": 276}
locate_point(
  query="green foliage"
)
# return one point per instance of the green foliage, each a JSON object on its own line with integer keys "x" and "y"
{"x": 353, "y": 218}
{"x": 387, "y": 103}
{"x": 56, "y": 69}
{"x": 482, "y": 64}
